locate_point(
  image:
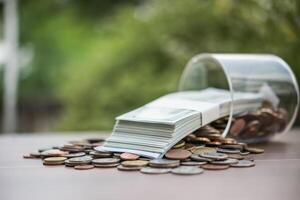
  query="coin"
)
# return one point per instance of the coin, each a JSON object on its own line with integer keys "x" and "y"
{"x": 101, "y": 154}
{"x": 54, "y": 161}
{"x": 244, "y": 153}
{"x": 178, "y": 154}
{"x": 180, "y": 144}
{"x": 198, "y": 158}
{"x": 129, "y": 156}
{"x": 214, "y": 156}
{"x": 81, "y": 160}
{"x": 28, "y": 156}
{"x": 243, "y": 163}
{"x": 199, "y": 150}
{"x": 229, "y": 141}
{"x": 53, "y": 153}
{"x": 213, "y": 144}
{"x": 203, "y": 140}
{"x": 135, "y": 163}
{"x": 102, "y": 161}
{"x": 214, "y": 167}
{"x": 123, "y": 168}
{"x": 164, "y": 163}
{"x": 151, "y": 170}
{"x": 228, "y": 161}
{"x": 254, "y": 150}
{"x": 35, "y": 154}
{"x": 106, "y": 165}
{"x": 236, "y": 156}
{"x": 84, "y": 167}
{"x": 192, "y": 163}
{"x": 229, "y": 151}
{"x": 237, "y": 127}
{"x": 73, "y": 155}
{"x": 187, "y": 170}
{"x": 232, "y": 146}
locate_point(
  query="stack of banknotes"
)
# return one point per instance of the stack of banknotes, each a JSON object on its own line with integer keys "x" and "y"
{"x": 154, "y": 128}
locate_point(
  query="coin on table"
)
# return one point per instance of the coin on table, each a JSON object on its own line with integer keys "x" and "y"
{"x": 129, "y": 156}
{"x": 214, "y": 156}
{"x": 198, "y": 158}
{"x": 228, "y": 161}
{"x": 102, "y": 161}
{"x": 84, "y": 167}
{"x": 178, "y": 154}
{"x": 192, "y": 163}
{"x": 236, "y": 156}
{"x": 229, "y": 151}
{"x": 101, "y": 154}
{"x": 229, "y": 141}
{"x": 179, "y": 145}
{"x": 35, "y": 154}
{"x": 123, "y": 168}
{"x": 187, "y": 170}
{"x": 199, "y": 150}
{"x": 106, "y": 165}
{"x": 254, "y": 150}
{"x": 73, "y": 155}
{"x": 244, "y": 153}
{"x": 28, "y": 156}
{"x": 203, "y": 140}
{"x": 243, "y": 163}
{"x": 213, "y": 144}
{"x": 53, "y": 153}
{"x": 135, "y": 163}
{"x": 214, "y": 167}
{"x": 232, "y": 146}
{"x": 81, "y": 160}
{"x": 54, "y": 161}
{"x": 151, "y": 170}
{"x": 164, "y": 163}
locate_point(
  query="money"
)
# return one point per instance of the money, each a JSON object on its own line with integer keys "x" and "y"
{"x": 135, "y": 163}
{"x": 84, "y": 167}
{"x": 151, "y": 170}
{"x": 129, "y": 156}
{"x": 178, "y": 154}
{"x": 192, "y": 163}
{"x": 54, "y": 161}
{"x": 228, "y": 161}
{"x": 228, "y": 151}
{"x": 201, "y": 149}
{"x": 243, "y": 163}
{"x": 164, "y": 163}
{"x": 254, "y": 150}
{"x": 187, "y": 170}
{"x": 124, "y": 168}
{"x": 214, "y": 167}
{"x": 104, "y": 161}
{"x": 214, "y": 156}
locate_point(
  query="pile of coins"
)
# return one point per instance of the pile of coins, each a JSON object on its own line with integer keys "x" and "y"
{"x": 205, "y": 149}
{"x": 255, "y": 126}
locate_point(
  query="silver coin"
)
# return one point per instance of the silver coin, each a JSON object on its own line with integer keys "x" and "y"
{"x": 101, "y": 161}
{"x": 192, "y": 163}
{"x": 164, "y": 163}
{"x": 244, "y": 153}
{"x": 214, "y": 156}
{"x": 82, "y": 159}
{"x": 196, "y": 157}
{"x": 243, "y": 163}
{"x": 73, "y": 155}
{"x": 106, "y": 165}
{"x": 220, "y": 150}
{"x": 187, "y": 170}
{"x": 151, "y": 170}
{"x": 228, "y": 161}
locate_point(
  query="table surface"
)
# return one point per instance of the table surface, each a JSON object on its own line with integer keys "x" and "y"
{"x": 275, "y": 176}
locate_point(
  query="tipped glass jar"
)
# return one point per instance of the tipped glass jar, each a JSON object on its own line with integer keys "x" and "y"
{"x": 265, "y": 75}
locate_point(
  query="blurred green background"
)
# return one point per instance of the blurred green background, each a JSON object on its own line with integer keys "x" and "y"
{"x": 93, "y": 60}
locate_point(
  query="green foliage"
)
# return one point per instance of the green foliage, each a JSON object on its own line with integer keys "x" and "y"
{"x": 101, "y": 66}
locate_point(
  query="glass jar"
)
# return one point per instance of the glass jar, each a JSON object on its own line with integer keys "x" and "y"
{"x": 265, "y": 75}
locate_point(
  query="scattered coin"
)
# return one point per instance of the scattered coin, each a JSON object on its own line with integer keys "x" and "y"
{"x": 73, "y": 155}
{"x": 151, "y": 170}
{"x": 198, "y": 158}
{"x": 106, "y": 165}
{"x": 229, "y": 151}
{"x": 164, "y": 163}
{"x": 214, "y": 156}
{"x": 179, "y": 145}
{"x": 244, "y": 153}
{"x": 84, "y": 167}
{"x": 123, "y": 168}
{"x": 254, "y": 150}
{"x": 232, "y": 146}
{"x": 236, "y": 156}
{"x": 192, "y": 163}
{"x": 35, "y": 155}
{"x": 229, "y": 141}
{"x": 228, "y": 161}
{"x": 187, "y": 170}
{"x": 100, "y": 154}
{"x": 243, "y": 163}
{"x": 178, "y": 154}
{"x": 53, "y": 153}
{"x": 103, "y": 161}
{"x": 81, "y": 160}
{"x": 54, "y": 161}
{"x": 199, "y": 150}
{"x": 28, "y": 156}
{"x": 135, "y": 163}
{"x": 129, "y": 156}
{"x": 214, "y": 167}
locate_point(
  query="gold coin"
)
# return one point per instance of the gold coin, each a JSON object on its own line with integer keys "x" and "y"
{"x": 135, "y": 163}
{"x": 199, "y": 150}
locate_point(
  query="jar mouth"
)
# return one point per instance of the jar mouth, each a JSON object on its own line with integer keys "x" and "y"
{"x": 265, "y": 69}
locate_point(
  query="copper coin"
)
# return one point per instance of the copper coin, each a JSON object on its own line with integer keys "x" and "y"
{"x": 84, "y": 167}
{"x": 237, "y": 127}
{"x": 129, "y": 156}
{"x": 214, "y": 167}
{"x": 229, "y": 141}
{"x": 178, "y": 154}
{"x": 254, "y": 150}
